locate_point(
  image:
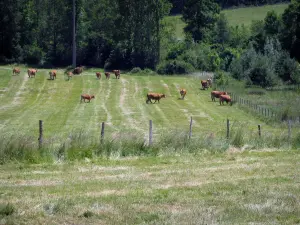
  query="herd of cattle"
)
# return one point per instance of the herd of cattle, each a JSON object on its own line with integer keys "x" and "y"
{"x": 221, "y": 95}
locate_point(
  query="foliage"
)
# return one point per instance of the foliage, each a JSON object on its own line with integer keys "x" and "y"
{"x": 222, "y": 32}
{"x": 272, "y": 25}
{"x": 135, "y": 70}
{"x": 174, "y": 67}
{"x": 200, "y": 17}
{"x": 239, "y": 36}
{"x": 290, "y": 37}
{"x": 108, "y": 33}
{"x": 176, "y": 49}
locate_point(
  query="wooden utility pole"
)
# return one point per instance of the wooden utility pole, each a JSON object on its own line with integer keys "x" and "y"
{"x": 74, "y": 37}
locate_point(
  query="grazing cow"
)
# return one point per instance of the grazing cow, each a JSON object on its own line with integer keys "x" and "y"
{"x": 52, "y": 74}
{"x": 107, "y": 75}
{"x": 182, "y": 93}
{"x": 117, "y": 73}
{"x": 86, "y": 96}
{"x": 31, "y": 72}
{"x": 70, "y": 75}
{"x": 98, "y": 75}
{"x": 216, "y": 94}
{"x": 16, "y": 71}
{"x": 209, "y": 81}
{"x": 204, "y": 84}
{"x": 225, "y": 98}
{"x": 154, "y": 96}
{"x": 78, "y": 70}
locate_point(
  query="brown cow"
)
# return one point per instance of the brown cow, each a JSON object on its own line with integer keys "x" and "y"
{"x": 216, "y": 94}
{"x": 182, "y": 93}
{"x": 98, "y": 75}
{"x": 117, "y": 73}
{"x": 52, "y": 74}
{"x": 204, "y": 84}
{"x": 86, "y": 96}
{"x": 70, "y": 75}
{"x": 225, "y": 98}
{"x": 154, "y": 96}
{"x": 31, "y": 72}
{"x": 16, "y": 71}
{"x": 107, "y": 75}
{"x": 78, "y": 70}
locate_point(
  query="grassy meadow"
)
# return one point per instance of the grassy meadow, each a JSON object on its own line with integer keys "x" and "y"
{"x": 120, "y": 103}
{"x": 235, "y": 16}
{"x": 206, "y": 180}
{"x": 258, "y": 187}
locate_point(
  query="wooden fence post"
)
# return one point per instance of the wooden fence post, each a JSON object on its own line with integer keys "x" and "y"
{"x": 227, "y": 133}
{"x": 150, "y": 132}
{"x": 259, "y": 130}
{"x": 102, "y": 132}
{"x": 289, "y": 129}
{"x": 191, "y": 123}
{"x": 40, "y": 133}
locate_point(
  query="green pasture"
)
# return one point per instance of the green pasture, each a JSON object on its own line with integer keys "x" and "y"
{"x": 235, "y": 16}
{"x": 230, "y": 188}
{"x": 120, "y": 103}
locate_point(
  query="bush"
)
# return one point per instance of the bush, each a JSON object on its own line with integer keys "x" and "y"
{"x": 176, "y": 50}
{"x": 220, "y": 78}
{"x": 136, "y": 70}
{"x": 175, "y": 67}
{"x": 33, "y": 54}
{"x": 261, "y": 72}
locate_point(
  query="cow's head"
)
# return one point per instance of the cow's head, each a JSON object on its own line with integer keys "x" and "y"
{"x": 92, "y": 96}
{"x": 163, "y": 96}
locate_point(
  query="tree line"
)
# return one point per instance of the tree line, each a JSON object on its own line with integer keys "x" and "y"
{"x": 266, "y": 54}
{"x": 109, "y": 33}
{"x": 130, "y": 34}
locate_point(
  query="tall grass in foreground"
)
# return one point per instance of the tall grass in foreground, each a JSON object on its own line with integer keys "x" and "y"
{"x": 82, "y": 145}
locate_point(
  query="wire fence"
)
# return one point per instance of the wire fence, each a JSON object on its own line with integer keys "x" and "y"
{"x": 151, "y": 134}
{"x": 266, "y": 112}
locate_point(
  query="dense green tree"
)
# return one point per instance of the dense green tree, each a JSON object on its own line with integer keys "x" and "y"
{"x": 222, "y": 31}
{"x": 10, "y": 16}
{"x": 291, "y": 29}
{"x": 200, "y": 17}
{"x": 258, "y": 34}
{"x": 239, "y": 36}
{"x": 272, "y": 24}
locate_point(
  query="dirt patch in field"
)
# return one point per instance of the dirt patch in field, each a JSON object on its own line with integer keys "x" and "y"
{"x": 41, "y": 183}
{"x": 106, "y": 193}
{"x": 102, "y": 168}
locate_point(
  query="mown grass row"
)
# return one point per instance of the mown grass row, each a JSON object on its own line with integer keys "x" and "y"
{"x": 258, "y": 187}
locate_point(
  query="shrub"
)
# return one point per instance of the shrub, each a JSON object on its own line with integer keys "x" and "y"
{"x": 220, "y": 78}
{"x": 33, "y": 54}
{"x": 261, "y": 72}
{"x": 175, "y": 67}
{"x": 136, "y": 70}
{"x": 176, "y": 50}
